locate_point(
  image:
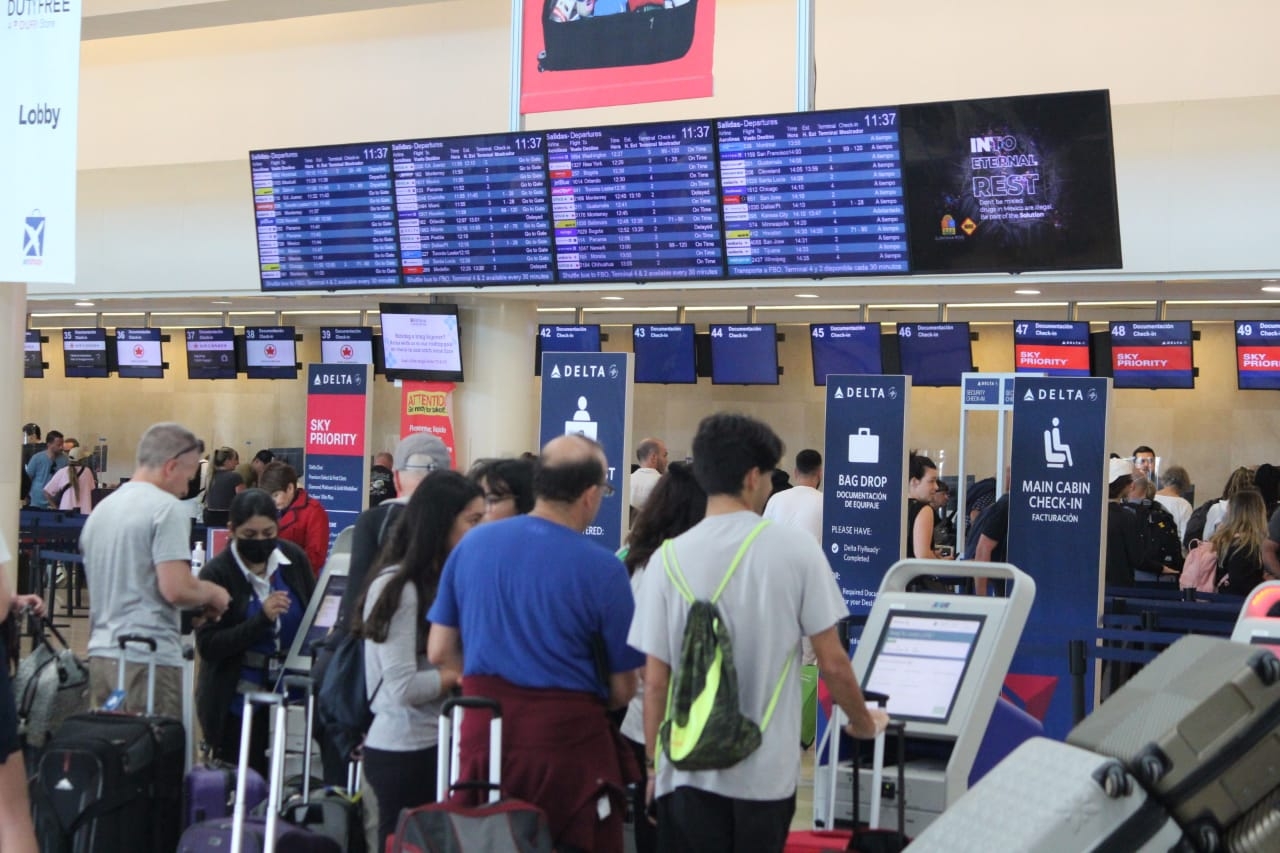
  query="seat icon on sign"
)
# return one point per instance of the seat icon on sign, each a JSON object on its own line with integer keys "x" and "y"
{"x": 864, "y": 448}
{"x": 1056, "y": 454}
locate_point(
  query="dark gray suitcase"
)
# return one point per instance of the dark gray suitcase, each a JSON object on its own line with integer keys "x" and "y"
{"x": 1050, "y": 797}
{"x": 1199, "y": 727}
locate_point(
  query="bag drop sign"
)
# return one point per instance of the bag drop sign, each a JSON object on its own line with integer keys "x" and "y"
{"x": 863, "y": 505}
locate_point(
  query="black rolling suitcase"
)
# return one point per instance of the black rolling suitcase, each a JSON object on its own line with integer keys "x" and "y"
{"x": 1199, "y": 727}
{"x": 646, "y": 34}
{"x": 108, "y": 783}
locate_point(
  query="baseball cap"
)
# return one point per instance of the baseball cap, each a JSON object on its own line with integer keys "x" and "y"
{"x": 78, "y": 453}
{"x": 420, "y": 451}
{"x": 1119, "y": 468}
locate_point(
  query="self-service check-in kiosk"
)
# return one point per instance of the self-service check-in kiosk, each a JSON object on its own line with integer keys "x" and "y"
{"x": 1259, "y": 619}
{"x": 941, "y": 659}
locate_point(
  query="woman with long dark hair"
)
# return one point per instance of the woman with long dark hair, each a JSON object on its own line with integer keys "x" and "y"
{"x": 1238, "y": 543}
{"x": 676, "y": 504}
{"x": 922, "y": 484}
{"x": 391, "y": 616}
{"x": 270, "y": 584}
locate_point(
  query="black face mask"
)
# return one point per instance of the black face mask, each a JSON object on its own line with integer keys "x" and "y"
{"x": 255, "y": 551}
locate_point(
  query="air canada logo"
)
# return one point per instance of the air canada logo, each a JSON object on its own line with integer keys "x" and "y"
{"x": 138, "y": 351}
{"x": 270, "y": 350}
{"x": 348, "y": 352}
{"x": 33, "y": 239}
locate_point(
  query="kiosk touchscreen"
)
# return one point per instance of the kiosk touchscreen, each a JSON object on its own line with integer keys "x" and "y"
{"x": 322, "y": 611}
{"x": 1259, "y": 620}
{"x": 941, "y": 659}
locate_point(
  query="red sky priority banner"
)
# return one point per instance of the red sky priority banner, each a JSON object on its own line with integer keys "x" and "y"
{"x": 428, "y": 407}
{"x": 599, "y": 53}
{"x": 337, "y": 429}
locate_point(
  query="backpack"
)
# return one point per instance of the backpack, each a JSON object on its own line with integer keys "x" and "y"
{"x": 1195, "y": 522}
{"x": 1200, "y": 569}
{"x": 704, "y": 727}
{"x": 341, "y": 701}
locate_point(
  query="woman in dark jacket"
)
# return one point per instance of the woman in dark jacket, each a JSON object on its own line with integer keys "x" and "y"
{"x": 270, "y": 583}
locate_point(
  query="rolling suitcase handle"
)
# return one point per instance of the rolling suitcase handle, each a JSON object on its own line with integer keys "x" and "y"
{"x": 276, "y": 784}
{"x": 123, "y": 641}
{"x": 308, "y": 685}
{"x": 451, "y": 742}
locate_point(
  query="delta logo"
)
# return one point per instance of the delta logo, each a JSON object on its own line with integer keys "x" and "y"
{"x": 427, "y": 403}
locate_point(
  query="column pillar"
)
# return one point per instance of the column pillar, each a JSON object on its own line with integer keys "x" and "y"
{"x": 13, "y": 320}
{"x": 495, "y": 409}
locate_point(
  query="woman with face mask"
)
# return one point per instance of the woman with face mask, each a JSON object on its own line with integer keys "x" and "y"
{"x": 270, "y": 584}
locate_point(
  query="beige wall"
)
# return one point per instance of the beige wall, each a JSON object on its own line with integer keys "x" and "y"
{"x": 1209, "y": 430}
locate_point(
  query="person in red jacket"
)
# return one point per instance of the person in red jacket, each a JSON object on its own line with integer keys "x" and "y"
{"x": 303, "y": 521}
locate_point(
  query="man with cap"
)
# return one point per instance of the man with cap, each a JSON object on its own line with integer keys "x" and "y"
{"x": 137, "y": 559}
{"x": 251, "y": 470}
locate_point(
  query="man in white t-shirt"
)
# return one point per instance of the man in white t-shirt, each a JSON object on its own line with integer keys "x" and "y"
{"x": 652, "y": 456}
{"x": 801, "y": 505}
{"x": 782, "y": 589}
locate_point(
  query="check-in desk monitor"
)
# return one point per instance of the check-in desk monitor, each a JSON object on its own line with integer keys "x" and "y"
{"x": 1259, "y": 620}
{"x": 941, "y": 659}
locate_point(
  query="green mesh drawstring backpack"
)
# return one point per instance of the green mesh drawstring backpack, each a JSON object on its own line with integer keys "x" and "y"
{"x": 705, "y": 728}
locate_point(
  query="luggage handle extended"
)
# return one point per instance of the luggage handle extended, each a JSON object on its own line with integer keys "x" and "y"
{"x": 124, "y": 640}
{"x": 308, "y": 685}
{"x": 448, "y": 764}
{"x": 276, "y": 785}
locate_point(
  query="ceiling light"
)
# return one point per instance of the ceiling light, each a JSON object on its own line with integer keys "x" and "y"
{"x": 806, "y": 296}
{"x": 1271, "y": 288}
{"x": 612, "y": 298}
{"x": 1026, "y": 291}
{"x": 84, "y": 303}
{"x": 221, "y": 302}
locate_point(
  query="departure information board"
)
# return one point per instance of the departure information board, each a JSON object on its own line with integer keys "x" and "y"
{"x": 813, "y": 194}
{"x": 325, "y": 217}
{"x": 473, "y": 210}
{"x": 635, "y": 203}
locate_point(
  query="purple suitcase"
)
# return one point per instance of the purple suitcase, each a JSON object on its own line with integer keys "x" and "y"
{"x": 270, "y": 833}
{"x": 209, "y": 793}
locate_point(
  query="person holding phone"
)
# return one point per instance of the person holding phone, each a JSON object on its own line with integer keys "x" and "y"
{"x": 270, "y": 584}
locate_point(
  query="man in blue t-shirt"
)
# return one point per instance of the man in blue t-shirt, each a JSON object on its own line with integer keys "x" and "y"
{"x": 42, "y": 466}
{"x": 536, "y": 616}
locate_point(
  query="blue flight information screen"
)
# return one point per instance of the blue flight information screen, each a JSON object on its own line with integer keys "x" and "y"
{"x": 85, "y": 353}
{"x": 635, "y": 203}
{"x": 325, "y": 217}
{"x": 473, "y": 210}
{"x": 211, "y": 353}
{"x": 32, "y": 356}
{"x": 813, "y": 194}
{"x": 665, "y": 354}
{"x": 569, "y": 338}
{"x": 844, "y": 349}
{"x": 138, "y": 354}
{"x": 1257, "y": 355}
{"x": 744, "y": 355}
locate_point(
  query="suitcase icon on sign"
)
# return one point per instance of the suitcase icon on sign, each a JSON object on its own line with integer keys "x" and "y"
{"x": 864, "y": 448}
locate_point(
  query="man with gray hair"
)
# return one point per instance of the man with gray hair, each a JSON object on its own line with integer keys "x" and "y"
{"x": 137, "y": 558}
{"x": 651, "y": 453}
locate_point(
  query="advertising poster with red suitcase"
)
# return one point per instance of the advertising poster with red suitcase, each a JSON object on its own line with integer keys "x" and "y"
{"x": 598, "y": 53}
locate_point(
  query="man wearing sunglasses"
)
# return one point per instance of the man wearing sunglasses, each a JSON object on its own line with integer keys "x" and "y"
{"x": 137, "y": 558}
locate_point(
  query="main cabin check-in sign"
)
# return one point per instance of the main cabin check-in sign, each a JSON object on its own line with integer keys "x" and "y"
{"x": 863, "y": 506}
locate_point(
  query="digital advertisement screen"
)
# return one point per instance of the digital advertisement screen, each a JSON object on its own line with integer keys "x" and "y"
{"x": 473, "y": 210}
{"x": 1257, "y": 355}
{"x": 1011, "y": 184}
{"x": 665, "y": 354}
{"x": 744, "y": 355}
{"x": 1054, "y": 349}
{"x": 211, "y": 353}
{"x": 270, "y": 352}
{"x": 635, "y": 202}
{"x": 921, "y": 662}
{"x": 844, "y": 349}
{"x": 813, "y": 194}
{"x": 84, "y": 353}
{"x": 325, "y": 217}
{"x": 346, "y": 345}
{"x": 138, "y": 354}
{"x": 421, "y": 342}
{"x": 32, "y": 356}
{"x": 1152, "y": 355}
{"x": 934, "y": 353}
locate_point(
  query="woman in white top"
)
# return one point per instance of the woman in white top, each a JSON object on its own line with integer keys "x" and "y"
{"x": 407, "y": 692}
{"x": 676, "y": 504}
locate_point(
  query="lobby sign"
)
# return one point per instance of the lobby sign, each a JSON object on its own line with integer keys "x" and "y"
{"x": 601, "y": 53}
{"x": 864, "y": 480}
{"x": 1057, "y": 515}
{"x": 428, "y": 407}
{"x": 39, "y": 102}
{"x": 339, "y": 410}
{"x": 589, "y": 393}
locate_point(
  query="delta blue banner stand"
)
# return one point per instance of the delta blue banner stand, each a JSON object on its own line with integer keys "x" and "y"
{"x": 1057, "y": 535}
{"x": 864, "y": 505}
{"x": 589, "y": 393}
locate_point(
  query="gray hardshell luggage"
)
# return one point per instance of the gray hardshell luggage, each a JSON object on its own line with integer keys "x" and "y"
{"x": 1199, "y": 727}
{"x": 1050, "y": 797}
